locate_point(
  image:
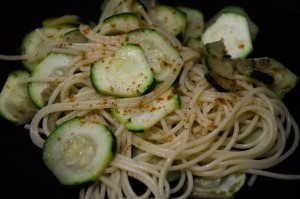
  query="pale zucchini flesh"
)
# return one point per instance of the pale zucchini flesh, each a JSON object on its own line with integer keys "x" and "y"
{"x": 78, "y": 151}
{"x": 54, "y": 65}
{"x": 195, "y": 23}
{"x": 284, "y": 79}
{"x": 144, "y": 117}
{"x": 126, "y": 74}
{"x": 15, "y": 104}
{"x": 161, "y": 55}
{"x": 170, "y": 18}
{"x": 224, "y": 187}
{"x": 32, "y": 42}
{"x": 120, "y": 23}
{"x": 234, "y": 29}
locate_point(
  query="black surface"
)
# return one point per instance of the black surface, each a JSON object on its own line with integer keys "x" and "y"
{"x": 22, "y": 173}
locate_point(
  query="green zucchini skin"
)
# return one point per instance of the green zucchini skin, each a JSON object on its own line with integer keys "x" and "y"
{"x": 32, "y": 42}
{"x": 54, "y": 65}
{"x": 224, "y": 187}
{"x": 15, "y": 103}
{"x": 158, "y": 51}
{"x": 170, "y": 18}
{"x": 139, "y": 119}
{"x": 78, "y": 151}
{"x": 126, "y": 74}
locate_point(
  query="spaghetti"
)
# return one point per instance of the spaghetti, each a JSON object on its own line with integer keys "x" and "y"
{"x": 209, "y": 136}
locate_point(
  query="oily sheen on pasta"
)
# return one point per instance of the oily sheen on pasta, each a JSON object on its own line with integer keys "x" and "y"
{"x": 209, "y": 136}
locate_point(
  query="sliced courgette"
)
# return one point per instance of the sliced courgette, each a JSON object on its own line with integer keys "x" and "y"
{"x": 125, "y": 74}
{"x": 225, "y": 187}
{"x": 64, "y": 20}
{"x": 15, "y": 104}
{"x": 196, "y": 45}
{"x": 219, "y": 68}
{"x": 220, "y": 83}
{"x": 54, "y": 65}
{"x": 120, "y": 23}
{"x": 32, "y": 41}
{"x": 170, "y": 18}
{"x": 234, "y": 29}
{"x": 78, "y": 151}
{"x": 247, "y": 67}
{"x": 159, "y": 52}
{"x": 284, "y": 79}
{"x": 75, "y": 36}
{"x": 195, "y": 23}
{"x": 253, "y": 28}
{"x": 144, "y": 117}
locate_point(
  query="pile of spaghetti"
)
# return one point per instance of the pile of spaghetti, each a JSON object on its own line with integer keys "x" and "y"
{"x": 211, "y": 135}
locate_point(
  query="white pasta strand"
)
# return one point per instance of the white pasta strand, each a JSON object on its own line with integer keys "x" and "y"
{"x": 205, "y": 137}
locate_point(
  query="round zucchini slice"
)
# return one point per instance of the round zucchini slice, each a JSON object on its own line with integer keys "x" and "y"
{"x": 78, "y": 151}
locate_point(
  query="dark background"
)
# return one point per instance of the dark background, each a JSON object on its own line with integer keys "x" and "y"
{"x": 23, "y": 174}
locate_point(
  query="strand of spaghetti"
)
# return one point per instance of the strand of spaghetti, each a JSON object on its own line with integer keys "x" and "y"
{"x": 183, "y": 77}
{"x": 138, "y": 165}
{"x": 266, "y": 162}
{"x": 42, "y": 34}
{"x": 112, "y": 185}
{"x": 189, "y": 188}
{"x": 217, "y": 162}
{"x": 169, "y": 37}
{"x": 156, "y": 133}
{"x": 180, "y": 183}
{"x": 14, "y": 57}
{"x": 255, "y": 151}
{"x": 273, "y": 174}
{"x": 86, "y": 193}
{"x": 117, "y": 40}
{"x": 232, "y": 138}
{"x": 226, "y": 121}
{"x": 114, "y": 7}
{"x": 126, "y": 186}
{"x": 150, "y": 148}
{"x": 189, "y": 54}
{"x": 40, "y": 79}
{"x": 246, "y": 131}
{"x": 146, "y": 17}
{"x": 83, "y": 79}
{"x": 171, "y": 158}
{"x": 141, "y": 176}
{"x": 193, "y": 162}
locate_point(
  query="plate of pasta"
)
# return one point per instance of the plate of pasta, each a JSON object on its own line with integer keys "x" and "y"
{"x": 149, "y": 99}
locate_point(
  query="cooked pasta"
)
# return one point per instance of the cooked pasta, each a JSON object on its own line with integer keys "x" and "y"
{"x": 208, "y": 136}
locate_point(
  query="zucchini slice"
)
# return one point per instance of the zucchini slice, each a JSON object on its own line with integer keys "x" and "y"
{"x": 253, "y": 28}
{"x": 32, "y": 42}
{"x": 126, "y": 74}
{"x": 247, "y": 67}
{"x": 284, "y": 79}
{"x": 159, "y": 53}
{"x": 234, "y": 29}
{"x": 220, "y": 83}
{"x": 219, "y": 68}
{"x": 144, "y": 117}
{"x": 63, "y": 20}
{"x": 54, "y": 65}
{"x": 195, "y": 23}
{"x": 78, "y": 151}
{"x": 170, "y": 18}
{"x": 225, "y": 187}
{"x": 15, "y": 104}
{"x": 75, "y": 36}
{"x": 120, "y": 23}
